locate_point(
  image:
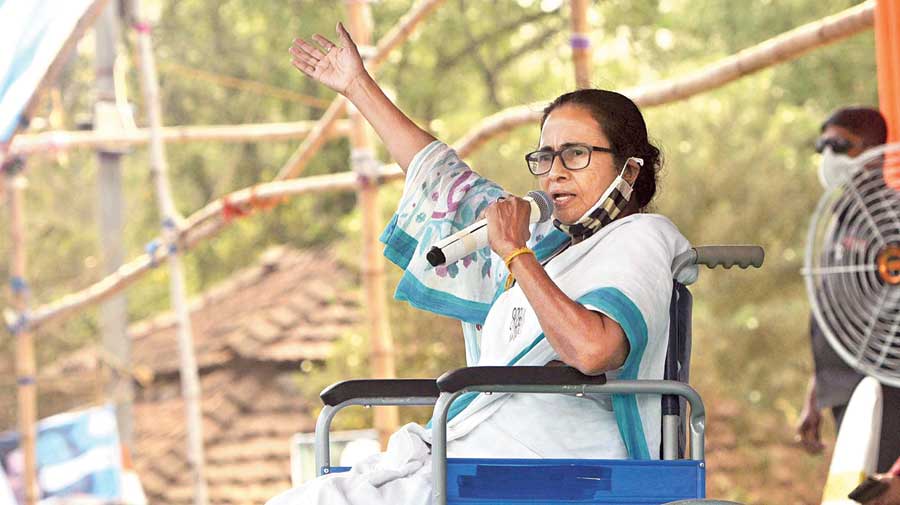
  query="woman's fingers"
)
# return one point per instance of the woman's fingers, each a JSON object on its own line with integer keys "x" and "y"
{"x": 309, "y": 49}
{"x": 325, "y": 43}
{"x": 303, "y": 67}
{"x": 305, "y": 58}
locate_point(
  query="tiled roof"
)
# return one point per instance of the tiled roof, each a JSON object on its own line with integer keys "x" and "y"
{"x": 287, "y": 309}
{"x": 249, "y": 416}
{"x": 251, "y": 333}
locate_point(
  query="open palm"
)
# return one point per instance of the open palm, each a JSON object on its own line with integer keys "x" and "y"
{"x": 337, "y": 67}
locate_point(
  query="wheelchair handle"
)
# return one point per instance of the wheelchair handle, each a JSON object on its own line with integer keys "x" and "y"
{"x": 727, "y": 256}
{"x": 383, "y": 388}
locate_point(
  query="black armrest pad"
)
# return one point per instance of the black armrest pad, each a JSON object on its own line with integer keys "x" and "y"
{"x": 381, "y": 388}
{"x": 455, "y": 380}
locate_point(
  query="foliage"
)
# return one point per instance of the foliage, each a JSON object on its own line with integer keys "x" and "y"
{"x": 739, "y": 166}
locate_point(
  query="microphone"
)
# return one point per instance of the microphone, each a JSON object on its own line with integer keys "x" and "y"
{"x": 475, "y": 236}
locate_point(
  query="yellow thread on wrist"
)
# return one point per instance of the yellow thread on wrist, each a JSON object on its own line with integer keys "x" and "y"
{"x": 515, "y": 254}
{"x": 510, "y": 279}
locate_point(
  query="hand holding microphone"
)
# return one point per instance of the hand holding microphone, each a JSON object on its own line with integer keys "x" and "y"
{"x": 475, "y": 236}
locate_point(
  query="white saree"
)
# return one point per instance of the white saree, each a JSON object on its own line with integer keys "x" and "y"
{"x": 622, "y": 271}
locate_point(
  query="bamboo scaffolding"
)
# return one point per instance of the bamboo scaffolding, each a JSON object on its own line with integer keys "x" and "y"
{"x": 58, "y": 141}
{"x": 363, "y": 161}
{"x": 190, "y": 384}
{"x": 25, "y": 363}
{"x": 787, "y": 46}
{"x": 396, "y": 36}
{"x": 209, "y": 220}
{"x": 205, "y": 225}
{"x": 581, "y": 43}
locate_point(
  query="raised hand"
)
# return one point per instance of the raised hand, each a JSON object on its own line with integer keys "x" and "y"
{"x": 336, "y": 66}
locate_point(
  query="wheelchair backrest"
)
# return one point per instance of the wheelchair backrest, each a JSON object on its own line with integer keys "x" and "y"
{"x": 678, "y": 360}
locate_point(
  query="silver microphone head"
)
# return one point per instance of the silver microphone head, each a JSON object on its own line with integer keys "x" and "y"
{"x": 543, "y": 202}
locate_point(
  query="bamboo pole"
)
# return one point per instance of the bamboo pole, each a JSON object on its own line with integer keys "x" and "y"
{"x": 581, "y": 43}
{"x": 190, "y": 385}
{"x": 787, "y": 46}
{"x": 398, "y": 34}
{"x": 53, "y": 142}
{"x": 363, "y": 162}
{"x": 25, "y": 363}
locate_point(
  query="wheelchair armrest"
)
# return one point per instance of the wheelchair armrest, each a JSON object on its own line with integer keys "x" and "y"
{"x": 461, "y": 378}
{"x": 382, "y": 388}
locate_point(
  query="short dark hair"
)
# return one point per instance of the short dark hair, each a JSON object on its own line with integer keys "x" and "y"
{"x": 866, "y": 122}
{"x": 622, "y": 123}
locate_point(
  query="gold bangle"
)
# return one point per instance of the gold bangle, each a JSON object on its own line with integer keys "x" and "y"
{"x": 515, "y": 254}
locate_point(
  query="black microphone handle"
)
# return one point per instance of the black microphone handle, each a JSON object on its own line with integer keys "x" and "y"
{"x": 435, "y": 256}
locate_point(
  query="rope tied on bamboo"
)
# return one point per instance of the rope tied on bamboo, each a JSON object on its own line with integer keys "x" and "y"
{"x": 13, "y": 166}
{"x": 257, "y": 202}
{"x": 18, "y": 285}
{"x": 580, "y": 41}
{"x": 19, "y": 323}
{"x": 151, "y": 249}
{"x": 232, "y": 210}
{"x": 365, "y": 166}
{"x": 170, "y": 233}
{"x": 142, "y": 27}
{"x": 25, "y": 380}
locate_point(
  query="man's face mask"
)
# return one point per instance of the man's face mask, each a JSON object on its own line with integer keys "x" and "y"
{"x": 834, "y": 168}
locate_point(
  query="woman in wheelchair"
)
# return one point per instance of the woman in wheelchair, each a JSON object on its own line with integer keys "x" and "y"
{"x": 589, "y": 288}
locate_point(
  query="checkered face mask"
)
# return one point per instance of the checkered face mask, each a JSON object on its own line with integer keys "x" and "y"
{"x": 610, "y": 204}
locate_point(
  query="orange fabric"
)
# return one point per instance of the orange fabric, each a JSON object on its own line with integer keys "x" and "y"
{"x": 887, "y": 48}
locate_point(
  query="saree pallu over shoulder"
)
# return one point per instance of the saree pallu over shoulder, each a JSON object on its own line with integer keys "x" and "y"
{"x": 441, "y": 196}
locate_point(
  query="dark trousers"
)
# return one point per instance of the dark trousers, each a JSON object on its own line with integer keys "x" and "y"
{"x": 889, "y": 448}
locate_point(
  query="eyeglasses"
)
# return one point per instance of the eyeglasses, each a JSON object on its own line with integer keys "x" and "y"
{"x": 573, "y": 157}
{"x": 838, "y": 145}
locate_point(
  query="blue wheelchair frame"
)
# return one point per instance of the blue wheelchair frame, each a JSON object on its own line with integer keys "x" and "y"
{"x": 559, "y": 481}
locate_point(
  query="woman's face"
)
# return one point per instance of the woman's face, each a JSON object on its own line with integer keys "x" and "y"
{"x": 575, "y": 191}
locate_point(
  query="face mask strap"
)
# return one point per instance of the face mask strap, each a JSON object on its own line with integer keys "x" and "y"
{"x": 610, "y": 204}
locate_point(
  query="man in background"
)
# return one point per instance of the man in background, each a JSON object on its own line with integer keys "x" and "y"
{"x": 848, "y": 131}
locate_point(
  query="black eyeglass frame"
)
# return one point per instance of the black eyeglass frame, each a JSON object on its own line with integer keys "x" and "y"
{"x": 563, "y": 160}
{"x": 838, "y": 145}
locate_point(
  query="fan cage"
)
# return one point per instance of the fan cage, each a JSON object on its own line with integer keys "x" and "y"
{"x": 852, "y": 266}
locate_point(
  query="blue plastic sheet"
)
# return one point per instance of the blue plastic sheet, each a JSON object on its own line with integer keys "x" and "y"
{"x": 32, "y": 32}
{"x": 78, "y": 454}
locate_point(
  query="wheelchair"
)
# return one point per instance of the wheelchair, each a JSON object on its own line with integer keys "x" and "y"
{"x": 679, "y": 477}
